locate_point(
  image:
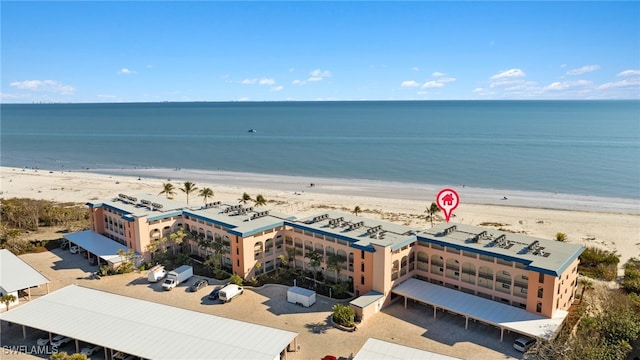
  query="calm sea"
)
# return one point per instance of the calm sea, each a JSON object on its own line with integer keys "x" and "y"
{"x": 575, "y": 147}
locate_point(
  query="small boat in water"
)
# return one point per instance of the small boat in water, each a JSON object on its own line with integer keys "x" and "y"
{"x": 252, "y": 131}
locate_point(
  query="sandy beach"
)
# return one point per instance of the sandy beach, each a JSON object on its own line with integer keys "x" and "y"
{"x": 607, "y": 223}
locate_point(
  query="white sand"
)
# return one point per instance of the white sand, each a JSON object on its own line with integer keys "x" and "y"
{"x": 612, "y": 224}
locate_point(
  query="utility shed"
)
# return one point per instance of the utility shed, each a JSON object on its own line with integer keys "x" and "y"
{"x": 301, "y": 296}
{"x": 148, "y": 330}
{"x": 383, "y": 350}
{"x": 16, "y": 275}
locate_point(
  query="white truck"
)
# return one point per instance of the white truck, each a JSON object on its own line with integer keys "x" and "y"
{"x": 301, "y": 296}
{"x": 177, "y": 276}
{"x": 229, "y": 292}
{"x": 156, "y": 273}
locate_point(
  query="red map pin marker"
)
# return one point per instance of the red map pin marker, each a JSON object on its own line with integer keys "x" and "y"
{"x": 447, "y": 201}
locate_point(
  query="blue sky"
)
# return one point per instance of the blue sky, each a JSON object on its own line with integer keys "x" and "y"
{"x": 272, "y": 51}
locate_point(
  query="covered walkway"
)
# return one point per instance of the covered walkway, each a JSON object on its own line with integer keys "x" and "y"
{"x": 481, "y": 309}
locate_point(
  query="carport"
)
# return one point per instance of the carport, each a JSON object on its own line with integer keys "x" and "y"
{"x": 481, "y": 309}
{"x": 99, "y": 245}
{"x": 147, "y": 329}
{"x": 16, "y": 275}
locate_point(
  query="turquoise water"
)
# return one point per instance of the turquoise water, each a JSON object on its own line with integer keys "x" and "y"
{"x": 575, "y": 147}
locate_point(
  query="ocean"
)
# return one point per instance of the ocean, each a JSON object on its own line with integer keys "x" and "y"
{"x": 570, "y": 147}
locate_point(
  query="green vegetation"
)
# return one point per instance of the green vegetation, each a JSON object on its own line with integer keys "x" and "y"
{"x": 260, "y": 200}
{"x": 607, "y": 328}
{"x": 20, "y": 216}
{"x": 206, "y": 193}
{"x": 343, "y": 315}
{"x": 64, "y": 356}
{"x": 7, "y": 299}
{"x": 560, "y": 236}
{"x": 599, "y": 264}
{"x": 168, "y": 190}
{"x": 432, "y": 210}
{"x": 245, "y": 198}
{"x": 357, "y": 210}
{"x": 631, "y": 280}
{"x": 188, "y": 187}
{"x": 495, "y": 224}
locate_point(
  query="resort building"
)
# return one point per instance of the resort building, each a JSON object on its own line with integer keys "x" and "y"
{"x": 536, "y": 275}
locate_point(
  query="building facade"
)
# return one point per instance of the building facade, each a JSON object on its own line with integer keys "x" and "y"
{"x": 372, "y": 256}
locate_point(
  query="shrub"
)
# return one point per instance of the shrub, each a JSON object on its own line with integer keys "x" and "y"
{"x": 631, "y": 281}
{"x": 344, "y": 315}
{"x": 599, "y": 264}
{"x": 235, "y": 279}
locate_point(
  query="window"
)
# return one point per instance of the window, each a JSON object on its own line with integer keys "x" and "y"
{"x": 361, "y": 280}
{"x": 362, "y": 267}
{"x": 541, "y": 278}
{"x": 437, "y": 247}
{"x": 540, "y": 293}
{"x": 361, "y": 254}
{"x": 539, "y": 307}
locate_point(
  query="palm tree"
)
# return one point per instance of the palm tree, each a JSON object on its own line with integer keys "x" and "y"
{"x": 314, "y": 261}
{"x": 168, "y": 190}
{"x": 188, "y": 187}
{"x": 245, "y": 198}
{"x": 7, "y": 299}
{"x": 356, "y": 210}
{"x": 432, "y": 210}
{"x": 206, "y": 193}
{"x": 334, "y": 262}
{"x": 260, "y": 200}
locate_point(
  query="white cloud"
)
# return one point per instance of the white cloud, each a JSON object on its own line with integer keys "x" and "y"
{"x": 125, "y": 71}
{"x": 297, "y": 82}
{"x": 620, "y": 84}
{"x": 446, "y": 79}
{"x": 629, "y": 73}
{"x": 509, "y": 74}
{"x": 437, "y": 74}
{"x": 583, "y": 70}
{"x": 260, "y": 81}
{"x": 277, "y": 88}
{"x": 415, "y": 68}
{"x": 432, "y": 84}
{"x": 314, "y": 79}
{"x": 478, "y": 90}
{"x": 320, "y": 73}
{"x": 409, "y": 84}
{"x": 149, "y": 66}
{"x": 44, "y": 86}
{"x": 567, "y": 85}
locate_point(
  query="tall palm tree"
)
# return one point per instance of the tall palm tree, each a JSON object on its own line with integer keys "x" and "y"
{"x": 168, "y": 190}
{"x": 206, "y": 193}
{"x": 245, "y": 198}
{"x": 432, "y": 210}
{"x": 188, "y": 187}
{"x": 356, "y": 210}
{"x": 260, "y": 200}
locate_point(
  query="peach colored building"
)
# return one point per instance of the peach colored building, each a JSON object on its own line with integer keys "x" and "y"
{"x": 537, "y": 275}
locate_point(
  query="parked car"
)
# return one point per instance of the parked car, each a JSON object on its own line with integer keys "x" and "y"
{"x": 197, "y": 285}
{"x": 89, "y": 350}
{"x": 74, "y": 249}
{"x": 215, "y": 294}
{"x": 42, "y": 341}
{"x": 122, "y": 356}
{"x": 523, "y": 344}
{"x": 59, "y": 340}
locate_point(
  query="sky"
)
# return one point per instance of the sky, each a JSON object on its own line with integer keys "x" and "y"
{"x": 153, "y": 51}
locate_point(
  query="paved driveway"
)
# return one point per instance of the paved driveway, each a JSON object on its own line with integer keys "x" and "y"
{"x": 413, "y": 326}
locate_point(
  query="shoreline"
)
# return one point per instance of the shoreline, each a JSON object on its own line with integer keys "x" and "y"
{"x": 384, "y": 189}
{"x": 609, "y": 224}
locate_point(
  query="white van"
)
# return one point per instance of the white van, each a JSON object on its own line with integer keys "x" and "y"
{"x": 229, "y": 292}
{"x": 156, "y": 273}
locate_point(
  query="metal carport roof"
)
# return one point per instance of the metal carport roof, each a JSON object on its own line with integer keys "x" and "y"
{"x": 16, "y": 274}
{"x": 98, "y": 245}
{"x": 147, "y": 329}
{"x": 383, "y": 350}
{"x": 481, "y": 309}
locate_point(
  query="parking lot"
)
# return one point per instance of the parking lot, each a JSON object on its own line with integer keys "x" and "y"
{"x": 413, "y": 326}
